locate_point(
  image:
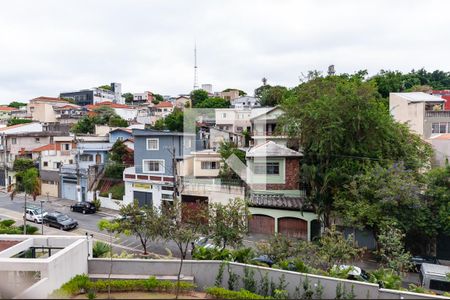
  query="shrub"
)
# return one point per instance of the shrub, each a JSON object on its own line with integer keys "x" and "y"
{"x": 99, "y": 249}
{"x": 30, "y": 229}
{"x": 221, "y": 293}
{"x": 7, "y": 223}
{"x": 243, "y": 255}
{"x": 114, "y": 171}
{"x": 118, "y": 191}
{"x": 386, "y": 278}
{"x": 97, "y": 203}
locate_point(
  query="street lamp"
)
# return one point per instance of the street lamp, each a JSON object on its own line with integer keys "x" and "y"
{"x": 42, "y": 218}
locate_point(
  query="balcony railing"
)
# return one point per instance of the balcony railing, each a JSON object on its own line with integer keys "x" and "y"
{"x": 438, "y": 113}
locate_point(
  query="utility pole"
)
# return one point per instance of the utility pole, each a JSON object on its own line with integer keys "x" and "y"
{"x": 77, "y": 161}
{"x": 4, "y": 161}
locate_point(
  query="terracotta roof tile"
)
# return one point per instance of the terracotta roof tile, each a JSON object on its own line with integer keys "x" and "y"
{"x": 164, "y": 104}
{"x": 7, "y": 108}
{"x": 49, "y": 99}
{"x": 48, "y": 147}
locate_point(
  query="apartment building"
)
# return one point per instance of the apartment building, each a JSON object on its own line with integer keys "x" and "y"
{"x": 42, "y": 109}
{"x": 96, "y": 95}
{"x": 245, "y": 102}
{"x": 264, "y": 122}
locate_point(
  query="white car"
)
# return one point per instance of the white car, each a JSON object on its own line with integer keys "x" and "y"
{"x": 34, "y": 214}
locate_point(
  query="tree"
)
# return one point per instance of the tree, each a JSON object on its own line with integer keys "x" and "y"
{"x": 273, "y": 96}
{"x": 214, "y": 102}
{"x": 128, "y": 97}
{"x": 16, "y": 121}
{"x": 392, "y": 252}
{"x": 143, "y": 222}
{"x": 112, "y": 228}
{"x": 182, "y": 225}
{"x": 175, "y": 120}
{"x": 117, "y": 121}
{"x": 103, "y": 114}
{"x": 85, "y": 125}
{"x": 30, "y": 182}
{"x": 241, "y": 92}
{"x": 260, "y": 90}
{"x": 344, "y": 128}
{"x": 16, "y": 104}
{"x": 226, "y": 149}
{"x": 22, "y": 164}
{"x": 228, "y": 222}
{"x": 198, "y": 96}
{"x": 157, "y": 98}
{"x": 120, "y": 153}
{"x": 105, "y": 87}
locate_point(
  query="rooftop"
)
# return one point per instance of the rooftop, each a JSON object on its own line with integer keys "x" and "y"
{"x": 7, "y": 108}
{"x": 49, "y": 99}
{"x": 147, "y": 132}
{"x": 277, "y": 201}
{"x": 56, "y": 147}
{"x": 164, "y": 104}
{"x": 444, "y": 136}
{"x": 419, "y": 97}
{"x": 108, "y": 103}
{"x": 15, "y": 126}
{"x": 272, "y": 149}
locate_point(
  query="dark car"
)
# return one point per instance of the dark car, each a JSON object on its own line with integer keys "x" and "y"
{"x": 59, "y": 220}
{"x": 418, "y": 260}
{"x": 83, "y": 207}
{"x": 265, "y": 259}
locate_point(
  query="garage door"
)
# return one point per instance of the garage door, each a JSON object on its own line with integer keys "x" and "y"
{"x": 144, "y": 199}
{"x": 261, "y": 224}
{"x": 293, "y": 227}
{"x": 69, "y": 190}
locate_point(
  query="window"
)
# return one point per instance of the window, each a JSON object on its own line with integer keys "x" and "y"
{"x": 56, "y": 165}
{"x": 270, "y": 168}
{"x": 442, "y": 127}
{"x": 224, "y": 115}
{"x": 66, "y": 147}
{"x": 166, "y": 196}
{"x": 152, "y": 144}
{"x": 37, "y": 140}
{"x": 210, "y": 165}
{"x": 153, "y": 166}
{"x": 187, "y": 143}
{"x": 70, "y": 161}
{"x": 86, "y": 157}
{"x": 45, "y": 163}
{"x": 14, "y": 141}
{"x": 120, "y": 138}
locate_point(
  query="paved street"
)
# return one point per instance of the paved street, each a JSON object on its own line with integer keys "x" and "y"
{"x": 87, "y": 223}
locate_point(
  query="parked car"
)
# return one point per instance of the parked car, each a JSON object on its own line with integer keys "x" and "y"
{"x": 34, "y": 214}
{"x": 434, "y": 277}
{"x": 84, "y": 207}
{"x": 203, "y": 243}
{"x": 418, "y": 260}
{"x": 60, "y": 220}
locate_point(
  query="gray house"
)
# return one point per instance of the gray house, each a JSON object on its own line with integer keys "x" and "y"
{"x": 151, "y": 180}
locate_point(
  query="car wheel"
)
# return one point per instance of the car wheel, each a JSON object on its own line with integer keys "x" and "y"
{"x": 84, "y": 211}
{"x": 35, "y": 221}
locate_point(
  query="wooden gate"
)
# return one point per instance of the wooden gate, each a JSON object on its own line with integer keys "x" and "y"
{"x": 261, "y": 224}
{"x": 293, "y": 227}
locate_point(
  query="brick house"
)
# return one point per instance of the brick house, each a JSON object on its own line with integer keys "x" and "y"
{"x": 276, "y": 200}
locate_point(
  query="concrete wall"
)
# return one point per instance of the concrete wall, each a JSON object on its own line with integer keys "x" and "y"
{"x": 205, "y": 273}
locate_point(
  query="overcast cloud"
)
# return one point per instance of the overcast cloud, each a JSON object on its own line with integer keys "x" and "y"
{"x": 49, "y": 46}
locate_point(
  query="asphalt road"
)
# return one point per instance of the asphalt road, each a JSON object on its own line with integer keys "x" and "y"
{"x": 86, "y": 224}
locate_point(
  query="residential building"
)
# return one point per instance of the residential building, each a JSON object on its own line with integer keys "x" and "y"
{"x": 69, "y": 114}
{"x": 217, "y": 136}
{"x": 264, "y": 122}
{"x": 201, "y": 164}
{"x": 21, "y": 113}
{"x": 142, "y": 98}
{"x": 445, "y": 94}
{"x": 42, "y": 109}
{"x": 126, "y": 112}
{"x": 51, "y": 158}
{"x": 6, "y": 113}
{"x": 151, "y": 180}
{"x": 276, "y": 200}
{"x": 182, "y": 101}
{"x": 80, "y": 177}
{"x": 235, "y": 120}
{"x": 229, "y": 95}
{"x": 245, "y": 102}
{"x": 441, "y": 147}
{"x": 96, "y": 95}
{"x": 121, "y": 134}
{"x": 423, "y": 113}
{"x": 207, "y": 87}
{"x": 162, "y": 109}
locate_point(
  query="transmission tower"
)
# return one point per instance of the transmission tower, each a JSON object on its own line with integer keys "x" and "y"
{"x": 195, "y": 68}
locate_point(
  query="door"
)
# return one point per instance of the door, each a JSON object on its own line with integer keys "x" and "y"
{"x": 69, "y": 189}
{"x": 98, "y": 159}
{"x": 293, "y": 227}
{"x": 261, "y": 224}
{"x": 143, "y": 198}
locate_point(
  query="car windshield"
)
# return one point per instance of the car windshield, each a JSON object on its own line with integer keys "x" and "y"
{"x": 38, "y": 211}
{"x": 62, "y": 218}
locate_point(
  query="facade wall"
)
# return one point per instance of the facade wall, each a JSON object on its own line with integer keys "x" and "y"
{"x": 51, "y": 189}
{"x": 125, "y": 113}
{"x": 113, "y": 136}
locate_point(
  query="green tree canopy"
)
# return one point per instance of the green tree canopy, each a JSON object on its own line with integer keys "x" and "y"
{"x": 198, "y": 96}
{"x": 226, "y": 149}
{"x": 260, "y": 90}
{"x": 15, "y": 121}
{"x": 16, "y": 104}
{"x": 273, "y": 96}
{"x": 85, "y": 125}
{"x": 241, "y": 92}
{"x": 128, "y": 97}
{"x": 105, "y": 87}
{"x": 157, "y": 98}
{"x": 117, "y": 121}
{"x": 214, "y": 102}
{"x": 173, "y": 122}
{"x": 344, "y": 128}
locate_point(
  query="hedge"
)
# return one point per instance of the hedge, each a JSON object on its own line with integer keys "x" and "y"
{"x": 82, "y": 284}
{"x": 221, "y": 293}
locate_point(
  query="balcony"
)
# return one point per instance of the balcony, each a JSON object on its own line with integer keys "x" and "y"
{"x": 437, "y": 113}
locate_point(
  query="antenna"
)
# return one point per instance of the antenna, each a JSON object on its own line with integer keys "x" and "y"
{"x": 195, "y": 67}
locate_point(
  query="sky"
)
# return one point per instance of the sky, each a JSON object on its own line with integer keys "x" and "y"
{"x": 49, "y": 46}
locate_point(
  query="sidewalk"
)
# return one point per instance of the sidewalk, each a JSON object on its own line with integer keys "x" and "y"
{"x": 59, "y": 202}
